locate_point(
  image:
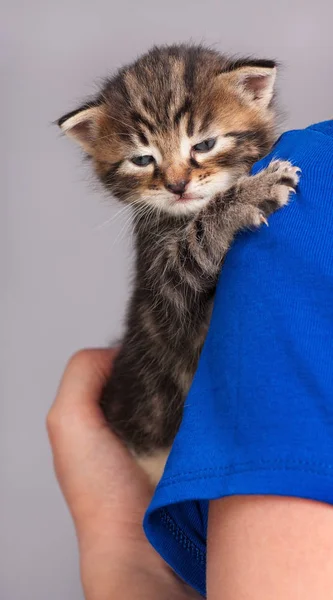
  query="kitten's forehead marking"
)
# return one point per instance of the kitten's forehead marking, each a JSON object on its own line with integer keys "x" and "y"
{"x": 148, "y": 93}
{"x": 176, "y": 143}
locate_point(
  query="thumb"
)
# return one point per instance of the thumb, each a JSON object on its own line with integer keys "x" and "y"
{"x": 81, "y": 386}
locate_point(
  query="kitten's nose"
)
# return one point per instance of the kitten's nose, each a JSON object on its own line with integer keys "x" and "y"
{"x": 178, "y": 187}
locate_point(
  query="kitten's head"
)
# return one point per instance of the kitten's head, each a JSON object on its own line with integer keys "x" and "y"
{"x": 177, "y": 126}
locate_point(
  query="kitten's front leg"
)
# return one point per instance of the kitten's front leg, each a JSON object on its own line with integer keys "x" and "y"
{"x": 246, "y": 205}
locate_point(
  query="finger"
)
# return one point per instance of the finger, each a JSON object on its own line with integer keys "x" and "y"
{"x": 85, "y": 375}
{"x": 78, "y": 395}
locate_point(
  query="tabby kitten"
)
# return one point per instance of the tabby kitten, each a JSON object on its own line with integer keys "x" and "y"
{"x": 174, "y": 135}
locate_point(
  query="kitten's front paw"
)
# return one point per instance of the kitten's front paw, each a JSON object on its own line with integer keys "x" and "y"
{"x": 282, "y": 178}
{"x": 269, "y": 190}
{"x": 273, "y": 187}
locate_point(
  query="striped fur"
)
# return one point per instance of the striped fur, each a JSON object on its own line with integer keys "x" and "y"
{"x": 163, "y": 105}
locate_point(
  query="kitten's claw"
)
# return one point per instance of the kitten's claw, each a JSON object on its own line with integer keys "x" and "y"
{"x": 263, "y": 219}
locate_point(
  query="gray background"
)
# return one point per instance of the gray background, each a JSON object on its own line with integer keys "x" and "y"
{"x": 65, "y": 273}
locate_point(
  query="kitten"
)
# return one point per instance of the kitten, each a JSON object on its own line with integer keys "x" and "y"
{"x": 174, "y": 135}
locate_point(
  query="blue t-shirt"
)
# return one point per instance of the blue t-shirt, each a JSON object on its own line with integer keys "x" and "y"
{"x": 259, "y": 416}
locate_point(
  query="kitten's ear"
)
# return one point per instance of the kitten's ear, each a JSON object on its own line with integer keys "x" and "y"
{"x": 83, "y": 125}
{"x": 254, "y": 81}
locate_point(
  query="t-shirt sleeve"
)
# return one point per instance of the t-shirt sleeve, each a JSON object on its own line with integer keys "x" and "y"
{"x": 259, "y": 416}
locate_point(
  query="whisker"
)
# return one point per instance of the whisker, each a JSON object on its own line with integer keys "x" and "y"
{"x": 113, "y": 218}
{"x": 122, "y": 230}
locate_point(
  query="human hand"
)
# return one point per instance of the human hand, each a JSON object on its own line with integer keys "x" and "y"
{"x": 106, "y": 491}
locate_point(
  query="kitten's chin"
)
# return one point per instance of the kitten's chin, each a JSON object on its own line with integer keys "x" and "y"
{"x": 187, "y": 206}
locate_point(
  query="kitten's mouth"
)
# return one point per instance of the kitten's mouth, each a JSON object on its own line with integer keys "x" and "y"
{"x": 188, "y": 198}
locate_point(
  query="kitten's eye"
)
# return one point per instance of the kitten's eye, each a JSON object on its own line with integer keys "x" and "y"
{"x": 142, "y": 161}
{"x": 205, "y": 146}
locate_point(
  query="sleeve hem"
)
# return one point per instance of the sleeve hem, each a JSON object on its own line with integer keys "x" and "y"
{"x": 301, "y": 478}
{"x": 305, "y": 465}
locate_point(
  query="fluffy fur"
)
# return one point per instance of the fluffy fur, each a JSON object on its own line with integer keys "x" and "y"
{"x": 174, "y": 135}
